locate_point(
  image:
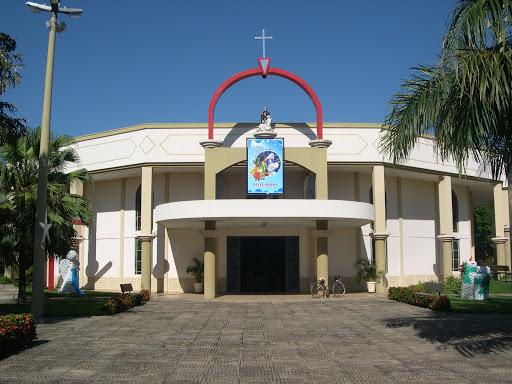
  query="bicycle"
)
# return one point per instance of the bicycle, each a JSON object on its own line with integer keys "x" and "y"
{"x": 319, "y": 289}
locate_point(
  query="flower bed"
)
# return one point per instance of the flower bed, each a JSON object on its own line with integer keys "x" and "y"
{"x": 122, "y": 303}
{"x": 406, "y": 295}
{"x": 16, "y": 333}
{"x": 146, "y": 295}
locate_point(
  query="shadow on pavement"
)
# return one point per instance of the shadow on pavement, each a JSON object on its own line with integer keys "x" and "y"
{"x": 470, "y": 335}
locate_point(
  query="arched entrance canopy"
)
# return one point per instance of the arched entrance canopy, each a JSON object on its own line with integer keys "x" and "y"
{"x": 271, "y": 71}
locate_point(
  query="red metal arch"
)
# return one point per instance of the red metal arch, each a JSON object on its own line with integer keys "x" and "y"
{"x": 271, "y": 71}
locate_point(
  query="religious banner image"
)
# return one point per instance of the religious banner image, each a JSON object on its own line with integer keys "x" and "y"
{"x": 265, "y": 166}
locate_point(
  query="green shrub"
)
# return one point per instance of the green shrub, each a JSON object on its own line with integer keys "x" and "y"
{"x": 136, "y": 299}
{"x": 5, "y": 280}
{"x": 146, "y": 295}
{"x": 109, "y": 306}
{"x": 121, "y": 303}
{"x": 125, "y": 302}
{"x": 30, "y": 272}
{"x": 418, "y": 287}
{"x": 440, "y": 303}
{"x": 452, "y": 282}
{"x": 406, "y": 295}
{"x": 16, "y": 333}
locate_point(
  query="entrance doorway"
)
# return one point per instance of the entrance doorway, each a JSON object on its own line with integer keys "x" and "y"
{"x": 267, "y": 264}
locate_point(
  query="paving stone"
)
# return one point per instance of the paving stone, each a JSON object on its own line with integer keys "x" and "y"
{"x": 268, "y": 339}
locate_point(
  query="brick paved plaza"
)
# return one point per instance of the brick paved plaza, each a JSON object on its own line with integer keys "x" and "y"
{"x": 361, "y": 338}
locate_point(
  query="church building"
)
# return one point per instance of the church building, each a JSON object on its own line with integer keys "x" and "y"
{"x": 269, "y": 207}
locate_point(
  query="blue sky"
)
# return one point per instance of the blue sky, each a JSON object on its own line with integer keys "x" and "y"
{"x": 126, "y": 62}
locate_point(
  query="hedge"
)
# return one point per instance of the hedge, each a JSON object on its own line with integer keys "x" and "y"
{"x": 122, "y": 303}
{"x": 16, "y": 333}
{"x": 406, "y": 295}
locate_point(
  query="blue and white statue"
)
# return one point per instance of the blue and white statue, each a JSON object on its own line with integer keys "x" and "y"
{"x": 68, "y": 269}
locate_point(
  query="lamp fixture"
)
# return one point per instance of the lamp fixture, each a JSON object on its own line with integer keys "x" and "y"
{"x": 38, "y": 8}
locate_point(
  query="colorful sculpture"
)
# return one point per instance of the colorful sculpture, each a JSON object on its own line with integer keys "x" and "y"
{"x": 475, "y": 281}
{"x": 68, "y": 269}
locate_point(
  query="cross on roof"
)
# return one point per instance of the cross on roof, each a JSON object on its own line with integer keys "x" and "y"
{"x": 263, "y": 37}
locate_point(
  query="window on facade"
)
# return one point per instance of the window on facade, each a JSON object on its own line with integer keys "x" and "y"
{"x": 455, "y": 255}
{"x": 138, "y": 209}
{"x": 138, "y": 256}
{"x": 372, "y": 224}
{"x": 385, "y": 254}
{"x": 455, "y": 212}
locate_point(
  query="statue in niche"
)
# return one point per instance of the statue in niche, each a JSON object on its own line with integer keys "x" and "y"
{"x": 68, "y": 269}
{"x": 266, "y": 120}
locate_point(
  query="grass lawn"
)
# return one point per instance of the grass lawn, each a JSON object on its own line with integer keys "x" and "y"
{"x": 89, "y": 307}
{"x": 500, "y": 287}
{"x": 495, "y": 287}
{"x": 56, "y": 293}
{"x": 88, "y": 304}
{"x": 495, "y": 304}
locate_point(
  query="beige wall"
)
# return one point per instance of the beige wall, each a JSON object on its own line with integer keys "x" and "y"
{"x": 341, "y": 186}
{"x": 419, "y": 231}
{"x": 102, "y": 246}
{"x": 186, "y": 186}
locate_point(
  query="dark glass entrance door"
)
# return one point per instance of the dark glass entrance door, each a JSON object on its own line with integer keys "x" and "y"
{"x": 262, "y": 264}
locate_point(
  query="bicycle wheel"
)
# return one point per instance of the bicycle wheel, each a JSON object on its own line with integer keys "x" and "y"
{"x": 317, "y": 290}
{"x": 338, "y": 289}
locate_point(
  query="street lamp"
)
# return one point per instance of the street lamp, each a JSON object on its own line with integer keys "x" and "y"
{"x": 42, "y": 184}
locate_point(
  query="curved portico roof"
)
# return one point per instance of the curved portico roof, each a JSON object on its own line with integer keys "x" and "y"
{"x": 263, "y": 213}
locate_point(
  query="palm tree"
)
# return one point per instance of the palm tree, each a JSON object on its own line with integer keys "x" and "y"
{"x": 10, "y": 63}
{"x": 18, "y": 195}
{"x": 465, "y": 100}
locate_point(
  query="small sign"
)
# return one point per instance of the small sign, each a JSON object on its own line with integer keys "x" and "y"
{"x": 264, "y": 64}
{"x": 265, "y": 166}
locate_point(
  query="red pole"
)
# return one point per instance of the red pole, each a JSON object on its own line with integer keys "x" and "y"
{"x": 51, "y": 273}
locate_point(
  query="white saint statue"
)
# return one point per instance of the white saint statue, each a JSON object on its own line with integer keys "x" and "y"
{"x": 68, "y": 269}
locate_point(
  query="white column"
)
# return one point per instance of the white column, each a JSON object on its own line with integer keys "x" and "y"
{"x": 146, "y": 226}
{"x": 499, "y": 223}
{"x": 210, "y": 262}
{"x": 446, "y": 224}
{"x": 379, "y": 229}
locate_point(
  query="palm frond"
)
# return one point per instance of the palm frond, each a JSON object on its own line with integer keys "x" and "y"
{"x": 413, "y": 112}
{"x": 477, "y": 24}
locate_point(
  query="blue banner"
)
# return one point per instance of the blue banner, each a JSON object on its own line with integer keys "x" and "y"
{"x": 265, "y": 163}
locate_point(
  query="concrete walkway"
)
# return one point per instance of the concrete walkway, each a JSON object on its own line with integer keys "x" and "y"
{"x": 361, "y": 338}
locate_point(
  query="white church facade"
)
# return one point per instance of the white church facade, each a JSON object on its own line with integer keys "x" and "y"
{"x": 160, "y": 198}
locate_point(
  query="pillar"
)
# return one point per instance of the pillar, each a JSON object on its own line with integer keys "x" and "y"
{"x": 471, "y": 208}
{"x": 508, "y": 261}
{"x": 400, "y": 230}
{"x": 210, "y": 249}
{"x": 379, "y": 229}
{"x": 322, "y": 259}
{"x": 446, "y": 224}
{"x": 499, "y": 224}
{"x": 122, "y": 203}
{"x": 321, "y": 185}
{"x": 210, "y": 174}
{"x": 146, "y": 226}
